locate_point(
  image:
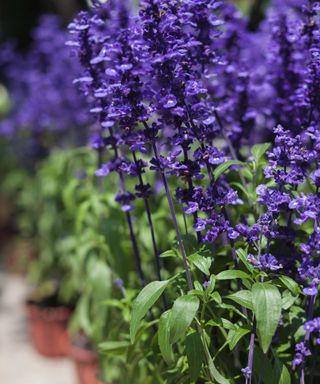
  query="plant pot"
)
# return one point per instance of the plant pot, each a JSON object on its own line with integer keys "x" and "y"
{"x": 48, "y": 327}
{"x": 86, "y": 363}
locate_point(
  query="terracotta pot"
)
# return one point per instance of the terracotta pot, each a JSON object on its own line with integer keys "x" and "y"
{"x": 86, "y": 362}
{"x": 48, "y": 326}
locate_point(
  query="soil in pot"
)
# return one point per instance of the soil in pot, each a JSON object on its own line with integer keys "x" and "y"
{"x": 48, "y": 327}
{"x": 85, "y": 359}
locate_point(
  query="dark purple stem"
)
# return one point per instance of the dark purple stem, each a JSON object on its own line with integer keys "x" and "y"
{"x": 191, "y": 187}
{"x": 99, "y": 158}
{"x": 147, "y": 206}
{"x": 174, "y": 219}
{"x": 251, "y": 352}
{"x": 133, "y": 239}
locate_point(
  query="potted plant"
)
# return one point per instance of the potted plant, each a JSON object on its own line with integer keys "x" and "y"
{"x": 54, "y": 294}
{"x": 94, "y": 272}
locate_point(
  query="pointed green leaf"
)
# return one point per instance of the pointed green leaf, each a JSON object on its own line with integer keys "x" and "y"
{"x": 234, "y": 336}
{"x": 281, "y": 373}
{"x": 287, "y": 300}
{"x": 144, "y": 301}
{"x": 259, "y": 150}
{"x": 169, "y": 253}
{"x": 243, "y": 297}
{"x": 266, "y": 301}
{"x": 290, "y": 284}
{"x": 114, "y": 346}
{"x": 232, "y": 274}
{"x": 262, "y": 367}
{"x": 195, "y": 354}
{"x": 164, "y": 338}
{"x": 183, "y": 312}
{"x": 224, "y": 166}
{"x": 243, "y": 256}
{"x": 216, "y": 374}
{"x": 200, "y": 262}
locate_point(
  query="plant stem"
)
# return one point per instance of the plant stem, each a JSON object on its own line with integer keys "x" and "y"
{"x": 99, "y": 161}
{"x": 150, "y": 221}
{"x": 185, "y": 223}
{"x": 251, "y": 352}
{"x": 133, "y": 239}
{"x": 174, "y": 219}
{"x": 191, "y": 187}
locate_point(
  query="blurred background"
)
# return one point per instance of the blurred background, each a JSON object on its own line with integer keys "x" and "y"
{"x": 17, "y": 18}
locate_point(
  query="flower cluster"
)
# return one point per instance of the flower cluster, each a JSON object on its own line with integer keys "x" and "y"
{"x": 313, "y": 326}
{"x": 149, "y": 80}
{"x": 302, "y": 352}
{"x": 292, "y": 66}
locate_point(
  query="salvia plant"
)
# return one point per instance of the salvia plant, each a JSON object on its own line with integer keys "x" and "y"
{"x": 181, "y": 91}
{"x": 198, "y": 228}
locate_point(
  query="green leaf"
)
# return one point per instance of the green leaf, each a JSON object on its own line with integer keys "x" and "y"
{"x": 216, "y": 374}
{"x": 268, "y": 373}
{"x": 243, "y": 297}
{"x": 232, "y": 274}
{"x": 262, "y": 367}
{"x": 114, "y": 346}
{"x": 195, "y": 354}
{"x": 200, "y": 262}
{"x": 169, "y": 253}
{"x": 281, "y": 373}
{"x": 236, "y": 335}
{"x": 224, "y": 166}
{"x": 198, "y": 287}
{"x": 164, "y": 338}
{"x": 183, "y": 312}
{"x": 266, "y": 301}
{"x": 243, "y": 256}
{"x": 242, "y": 188}
{"x": 144, "y": 301}
{"x": 290, "y": 284}
{"x": 287, "y": 300}
{"x": 259, "y": 150}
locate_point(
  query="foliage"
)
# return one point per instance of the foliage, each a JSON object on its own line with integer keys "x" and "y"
{"x": 188, "y": 238}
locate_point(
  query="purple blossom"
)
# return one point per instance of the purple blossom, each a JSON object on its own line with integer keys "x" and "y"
{"x": 246, "y": 372}
{"x": 206, "y": 284}
{"x": 302, "y": 352}
{"x": 266, "y": 262}
{"x": 310, "y": 291}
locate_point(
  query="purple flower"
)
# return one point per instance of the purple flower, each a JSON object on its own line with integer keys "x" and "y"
{"x": 119, "y": 283}
{"x": 192, "y": 208}
{"x": 206, "y": 284}
{"x": 310, "y": 291}
{"x": 169, "y": 101}
{"x": 246, "y": 372}
{"x": 266, "y": 262}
